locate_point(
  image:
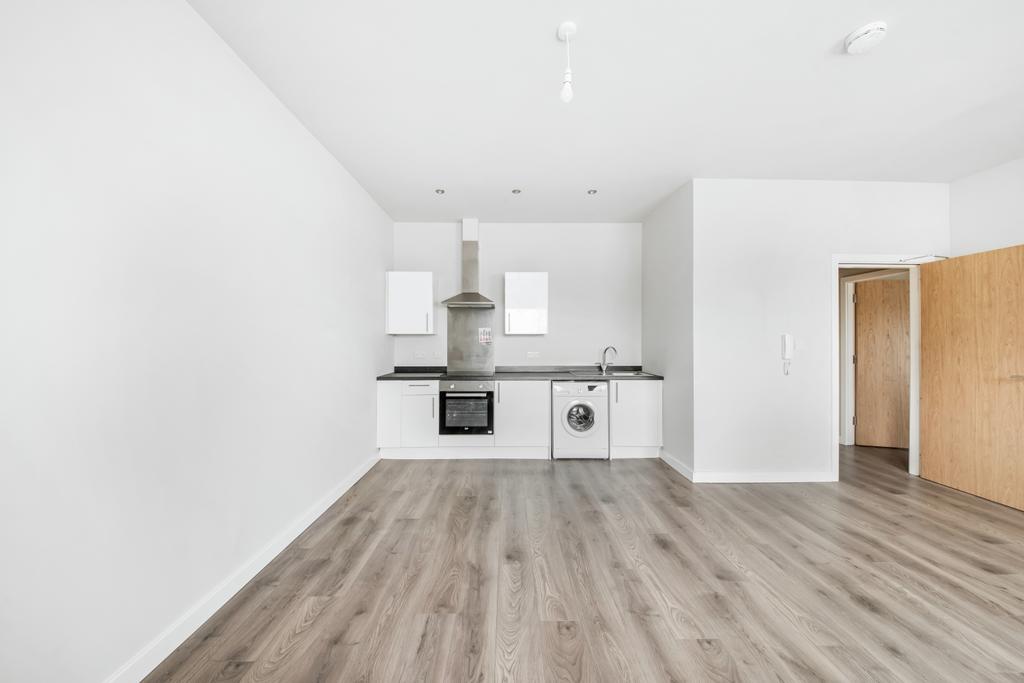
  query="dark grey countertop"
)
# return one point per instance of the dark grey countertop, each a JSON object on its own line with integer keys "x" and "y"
{"x": 511, "y": 373}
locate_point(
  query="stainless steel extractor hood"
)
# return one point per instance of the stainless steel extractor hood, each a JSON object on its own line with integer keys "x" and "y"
{"x": 470, "y": 314}
{"x": 470, "y": 296}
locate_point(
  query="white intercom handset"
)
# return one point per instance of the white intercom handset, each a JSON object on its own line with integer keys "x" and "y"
{"x": 788, "y": 345}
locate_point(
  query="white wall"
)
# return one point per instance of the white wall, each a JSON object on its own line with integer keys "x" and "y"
{"x": 593, "y": 287}
{"x": 668, "y": 317}
{"x": 762, "y": 266}
{"x": 987, "y": 209}
{"x": 191, "y": 297}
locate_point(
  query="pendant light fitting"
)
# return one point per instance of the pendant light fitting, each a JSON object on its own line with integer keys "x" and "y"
{"x": 566, "y": 30}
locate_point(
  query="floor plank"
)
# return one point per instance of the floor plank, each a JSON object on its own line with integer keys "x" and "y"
{"x": 624, "y": 571}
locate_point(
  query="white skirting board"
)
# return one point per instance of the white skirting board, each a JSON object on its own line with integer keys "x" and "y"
{"x": 762, "y": 477}
{"x": 146, "y": 659}
{"x": 628, "y": 452}
{"x": 502, "y": 453}
{"x": 467, "y": 453}
{"x": 745, "y": 477}
{"x": 677, "y": 464}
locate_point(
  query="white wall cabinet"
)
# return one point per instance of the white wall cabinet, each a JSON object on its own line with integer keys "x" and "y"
{"x": 410, "y": 302}
{"x": 635, "y": 407}
{"x": 526, "y": 303}
{"x": 522, "y": 413}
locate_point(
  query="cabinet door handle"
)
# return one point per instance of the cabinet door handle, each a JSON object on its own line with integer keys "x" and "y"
{"x": 1017, "y": 377}
{"x": 499, "y": 392}
{"x": 508, "y": 321}
{"x": 433, "y": 412}
{"x": 616, "y": 392}
{"x": 426, "y": 322}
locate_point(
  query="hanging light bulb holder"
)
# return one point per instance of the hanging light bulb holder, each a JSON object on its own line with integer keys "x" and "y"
{"x": 566, "y": 30}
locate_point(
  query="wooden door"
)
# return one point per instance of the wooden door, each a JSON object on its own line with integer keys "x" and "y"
{"x": 972, "y": 374}
{"x": 883, "y": 363}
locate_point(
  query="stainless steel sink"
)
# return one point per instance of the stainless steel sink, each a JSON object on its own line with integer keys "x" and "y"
{"x": 597, "y": 373}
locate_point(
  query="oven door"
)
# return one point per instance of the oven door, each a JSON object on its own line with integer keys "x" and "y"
{"x": 467, "y": 412}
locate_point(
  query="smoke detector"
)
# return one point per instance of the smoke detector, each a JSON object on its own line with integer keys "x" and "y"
{"x": 866, "y": 37}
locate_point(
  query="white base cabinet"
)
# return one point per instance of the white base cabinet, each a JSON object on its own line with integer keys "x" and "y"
{"x": 522, "y": 413}
{"x": 407, "y": 421}
{"x": 635, "y": 416}
{"x": 419, "y": 421}
{"x": 407, "y": 415}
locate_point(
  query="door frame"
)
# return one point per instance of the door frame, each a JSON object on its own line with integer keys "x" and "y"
{"x": 847, "y": 344}
{"x": 909, "y": 263}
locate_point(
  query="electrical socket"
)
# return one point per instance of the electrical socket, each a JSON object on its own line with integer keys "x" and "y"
{"x": 533, "y": 354}
{"x": 421, "y": 354}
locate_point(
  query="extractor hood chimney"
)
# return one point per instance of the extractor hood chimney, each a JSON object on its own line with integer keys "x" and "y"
{"x": 470, "y": 296}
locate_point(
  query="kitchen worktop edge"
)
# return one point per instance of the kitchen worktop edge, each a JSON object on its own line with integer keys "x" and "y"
{"x": 513, "y": 373}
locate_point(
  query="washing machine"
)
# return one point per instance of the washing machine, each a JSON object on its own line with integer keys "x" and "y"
{"x": 579, "y": 420}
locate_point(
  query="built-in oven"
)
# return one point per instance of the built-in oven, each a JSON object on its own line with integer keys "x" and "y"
{"x": 467, "y": 407}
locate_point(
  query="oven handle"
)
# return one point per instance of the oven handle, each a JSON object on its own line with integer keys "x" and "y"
{"x": 459, "y": 395}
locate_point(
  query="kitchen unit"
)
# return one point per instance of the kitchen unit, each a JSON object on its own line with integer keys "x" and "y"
{"x": 526, "y": 303}
{"x": 635, "y": 418}
{"x": 413, "y": 424}
{"x": 521, "y": 414}
{"x": 407, "y": 414}
{"x": 410, "y": 302}
{"x": 467, "y": 410}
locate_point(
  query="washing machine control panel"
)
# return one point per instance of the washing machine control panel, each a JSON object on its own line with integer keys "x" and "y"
{"x": 580, "y": 388}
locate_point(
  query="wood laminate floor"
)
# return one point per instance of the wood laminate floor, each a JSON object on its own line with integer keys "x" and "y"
{"x": 624, "y": 571}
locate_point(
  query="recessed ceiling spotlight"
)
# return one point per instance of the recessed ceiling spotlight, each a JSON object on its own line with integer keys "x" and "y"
{"x": 866, "y": 37}
{"x": 591, "y": 191}
{"x": 439, "y": 191}
{"x": 516, "y": 191}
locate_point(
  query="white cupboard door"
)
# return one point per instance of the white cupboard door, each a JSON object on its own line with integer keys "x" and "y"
{"x": 419, "y": 421}
{"x": 522, "y": 413}
{"x": 389, "y": 414}
{"x": 410, "y": 302}
{"x": 526, "y": 303}
{"x": 636, "y": 412}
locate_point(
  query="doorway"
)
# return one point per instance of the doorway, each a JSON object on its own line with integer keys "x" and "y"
{"x": 847, "y": 270}
{"x": 878, "y": 320}
{"x": 876, "y": 361}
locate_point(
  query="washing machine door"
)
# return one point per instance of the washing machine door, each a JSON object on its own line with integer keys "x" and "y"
{"x": 579, "y": 418}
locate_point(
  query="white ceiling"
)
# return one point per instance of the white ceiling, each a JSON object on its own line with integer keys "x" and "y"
{"x": 463, "y": 95}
